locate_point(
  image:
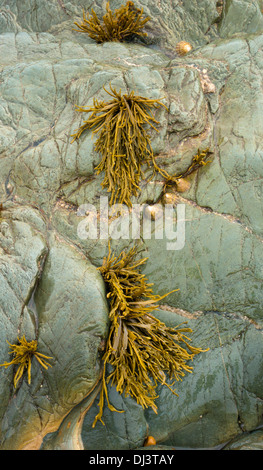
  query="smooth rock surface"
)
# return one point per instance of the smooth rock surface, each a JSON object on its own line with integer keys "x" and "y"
{"x": 49, "y": 292}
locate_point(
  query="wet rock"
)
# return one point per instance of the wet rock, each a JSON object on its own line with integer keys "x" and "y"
{"x": 241, "y": 16}
{"x": 49, "y": 292}
{"x": 247, "y": 441}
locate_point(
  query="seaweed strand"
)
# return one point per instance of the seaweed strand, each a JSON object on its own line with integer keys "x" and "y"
{"x": 24, "y": 353}
{"x": 120, "y": 25}
{"x": 122, "y": 141}
{"x": 141, "y": 350}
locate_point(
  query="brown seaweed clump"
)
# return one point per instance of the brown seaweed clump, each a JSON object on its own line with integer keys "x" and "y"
{"x": 123, "y": 141}
{"x": 120, "y": 25}
{"x": 141, "y": 350}
{"x": 24, "y": 353}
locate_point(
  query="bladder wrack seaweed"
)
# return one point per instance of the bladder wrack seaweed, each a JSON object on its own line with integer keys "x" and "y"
{"x": 119, "y": 25}
{"x": 141, "y": 350}
{"x": 24, "y": 353}
{"x": 122, "y": 140}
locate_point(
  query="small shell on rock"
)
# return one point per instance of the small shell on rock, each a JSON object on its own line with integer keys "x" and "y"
{"x": 183, "y": 47}
{"x": 4, "y": 228}
{"x": 149, "y": 441}
{"x": 182, "y": 185}
{"x": 169, "y": 198}
{"x": 153, "y": 212}
{"x": 207, "y": 85}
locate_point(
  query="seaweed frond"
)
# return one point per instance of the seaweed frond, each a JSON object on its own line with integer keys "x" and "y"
{"x": 119, "y": 25}
{"x": 198, "y": 160}
{"x": 24, "y": 353}
{"x": 122, "y": 140}
{"x": 141, "y": 350}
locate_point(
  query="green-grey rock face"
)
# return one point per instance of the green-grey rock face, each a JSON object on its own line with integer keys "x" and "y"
{"x": 50, "y": 289}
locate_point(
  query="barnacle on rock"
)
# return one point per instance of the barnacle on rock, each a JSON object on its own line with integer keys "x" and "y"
{"x": 149, "y": 441}
{"x": 24, "y": 353}
{"x": 119, "y": 25}
{"x": 141, "y": 350}
{"x": 123, "y": 141}
{"x": 183, "y": 47}
{"x": 182, "y": 185}
{"x": 153, "y": 211}
{"x": 169, "y": 198}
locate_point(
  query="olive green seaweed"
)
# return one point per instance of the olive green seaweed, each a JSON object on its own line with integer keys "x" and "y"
{"x": 122, "y": 141}
{"x": 120, "y": 25}
{"x": 141, "y": 349}
{"x": 24, "y": 353}
{"x": 198, "y": 160}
